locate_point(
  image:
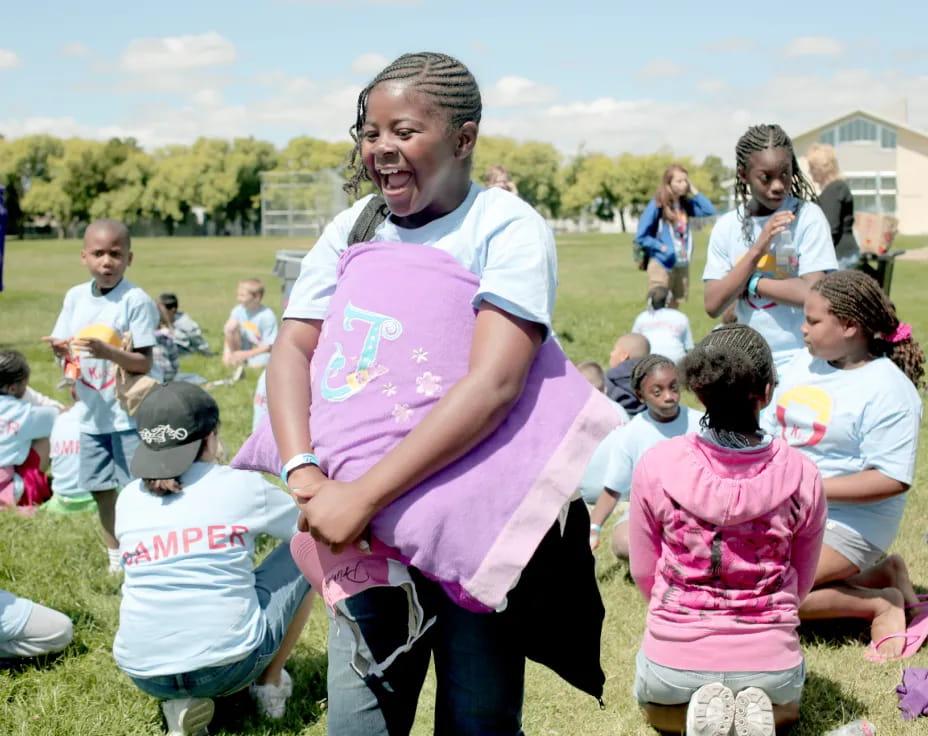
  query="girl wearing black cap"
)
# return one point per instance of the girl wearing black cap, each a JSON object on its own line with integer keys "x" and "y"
{"x": 197, "y": 620}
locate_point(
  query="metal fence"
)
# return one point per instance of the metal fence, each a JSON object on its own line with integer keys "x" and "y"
{"x": 300, "y": 203}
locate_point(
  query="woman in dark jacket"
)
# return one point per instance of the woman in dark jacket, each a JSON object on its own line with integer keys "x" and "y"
{"x": 836, "y": 202}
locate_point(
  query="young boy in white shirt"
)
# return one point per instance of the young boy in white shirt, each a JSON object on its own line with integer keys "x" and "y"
{"x": 251, "y": 328}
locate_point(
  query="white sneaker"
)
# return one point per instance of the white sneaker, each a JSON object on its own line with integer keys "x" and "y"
{"x": 187, "y": 716}
{"x": 753, "y": 713}
{"x": 272, "y": 699}
{"x": 711, "y": 711}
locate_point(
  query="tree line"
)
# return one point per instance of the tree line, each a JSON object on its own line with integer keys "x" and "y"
{"x": 67, "y": 182}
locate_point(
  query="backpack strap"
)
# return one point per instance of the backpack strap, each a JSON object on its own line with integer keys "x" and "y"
{"x": 374, "y": 213}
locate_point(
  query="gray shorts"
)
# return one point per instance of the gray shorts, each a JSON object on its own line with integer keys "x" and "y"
{"x": 848, "y": 543}
{"x": 105, "y": 458}
{"x": 661, "y": 685}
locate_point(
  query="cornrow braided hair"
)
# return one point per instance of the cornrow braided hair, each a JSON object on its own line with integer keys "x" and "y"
{"x": 761, "y": 138}
{"x": 857, "y": 298}
{"x": 646, "y": 366}
{"x": 14, "y": 368}
{"x": 445, "y": 80}
{"x": 729, "y": 370}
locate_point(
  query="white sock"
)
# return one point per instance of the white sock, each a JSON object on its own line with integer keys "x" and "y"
{"x": 114, "y": 558}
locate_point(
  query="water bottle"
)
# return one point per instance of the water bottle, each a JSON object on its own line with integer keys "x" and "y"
{"x": 854, "y": 728}
{"x": 785, "y": 251}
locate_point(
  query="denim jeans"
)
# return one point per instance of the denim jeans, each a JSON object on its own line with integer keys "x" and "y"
{"x": 480, "y": 674}
{"x": 281, "y": 588}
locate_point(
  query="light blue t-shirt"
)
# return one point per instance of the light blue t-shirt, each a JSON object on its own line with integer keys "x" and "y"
{"x": 257, "y": 329}
{"x": 125, "y": 308}
{"x": 14, "y": 615}
{"x": 65, "y": 452}
{"x": 189, "y": 599}
{"x": 493, "y": 234}
{"x": 20, "y": 424}
{"x": 591, "y": 485}
{"x": 627, "y": 444}
{"x": 260, "y": 401}
{"x": 847, "y": 421}
{"x": 667, "y": 330}
{"x": 778, "y": 323}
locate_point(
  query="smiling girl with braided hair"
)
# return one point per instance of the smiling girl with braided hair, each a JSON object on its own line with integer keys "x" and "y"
{"x": 850, "y": 403}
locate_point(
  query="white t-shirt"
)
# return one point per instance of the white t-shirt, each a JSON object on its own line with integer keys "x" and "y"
{"x": 627, "y": 444}
{"x": 592, "y": 483}
{"x": 493, "y": 234}
{"x": 778, "y": 323}
{"x": 257, "y": 329}
{"x": 20, "y": 423}
{"x": 668, "y": 332}
{"x": 847, "y": 421}
{"x": 65, "y": 452}
{"x": 14, "y": 614}
{"x": 189, "y": 600}
{"x": 125, "y": 308}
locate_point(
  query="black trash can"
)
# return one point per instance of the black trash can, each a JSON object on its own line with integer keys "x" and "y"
{"x": 880, "y": 267}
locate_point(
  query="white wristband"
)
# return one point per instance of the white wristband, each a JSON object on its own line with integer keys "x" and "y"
{"x": 304, "y": 458}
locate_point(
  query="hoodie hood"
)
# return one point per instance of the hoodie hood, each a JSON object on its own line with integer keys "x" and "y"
{"x": 725, "y": 486}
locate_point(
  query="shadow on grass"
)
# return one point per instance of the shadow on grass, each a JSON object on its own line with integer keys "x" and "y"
{"x": 835, "y": 633}
{"x": 606, "y": 574}
{"x": 237, "y": 714}
{"x": 825, "y": 706}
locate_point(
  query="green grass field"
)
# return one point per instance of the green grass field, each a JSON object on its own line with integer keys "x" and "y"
{"x": 60, "y": 562}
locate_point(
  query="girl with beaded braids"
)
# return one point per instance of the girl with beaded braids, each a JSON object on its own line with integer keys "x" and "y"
{"x": 765, "y": 254}
{"x": 850, "y": 403}
{"x": 655, "y": 383}
{"x": 725, "y": 529}
{"x": 416, "y": 128}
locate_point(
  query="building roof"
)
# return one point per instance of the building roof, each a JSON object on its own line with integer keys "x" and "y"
{"x": 889, "y": 122}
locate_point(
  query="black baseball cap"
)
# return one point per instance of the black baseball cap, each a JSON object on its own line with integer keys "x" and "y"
{"x": 172, "y": 420}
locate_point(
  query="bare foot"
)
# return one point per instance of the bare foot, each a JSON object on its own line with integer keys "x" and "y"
{"x": 900, "y": 573}
{"x": 890, "y": 619}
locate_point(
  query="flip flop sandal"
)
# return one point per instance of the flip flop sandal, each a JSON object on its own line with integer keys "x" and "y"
{"x": 922, "y": 603}
{"x": 914, "y": 636}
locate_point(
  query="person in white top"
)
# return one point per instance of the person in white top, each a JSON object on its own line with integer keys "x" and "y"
{"x": 851, "y": 404}
{"x": 766, "y": 253}
{"x": 197, "y": 619}
{"x": 665, "y": 326}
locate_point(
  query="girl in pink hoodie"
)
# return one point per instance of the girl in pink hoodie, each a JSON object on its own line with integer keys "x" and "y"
{"x": 725, "y": 533}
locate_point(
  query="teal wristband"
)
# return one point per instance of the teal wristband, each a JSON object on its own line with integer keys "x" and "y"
{"x": 305, "y": 458}
{"x": 596, "y": 528}
{"x": 752, "y": 284}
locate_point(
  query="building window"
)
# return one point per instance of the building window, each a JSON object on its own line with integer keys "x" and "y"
{"x": 859, "y": 129}
{"x": 873, "y": 191}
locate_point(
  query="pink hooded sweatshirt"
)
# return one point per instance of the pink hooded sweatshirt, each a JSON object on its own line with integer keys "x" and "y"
{"x": 724, "y": 545}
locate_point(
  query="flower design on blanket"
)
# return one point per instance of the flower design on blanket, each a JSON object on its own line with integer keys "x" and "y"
{"x": 420, "y": 355}
{"x": 428, "y": 384}
{"x": 389, "y": 390}
{"x": 401, "y": 413}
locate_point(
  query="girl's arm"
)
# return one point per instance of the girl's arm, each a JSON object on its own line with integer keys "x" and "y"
{"x": 648, "y": 227}
{"x": 289, "y": 395}
{"x": 867, "y": 485}
{"x": 719, "y": 293}
{"x": 807, "y": 541}
{"x": 502, "y": 351}
{"x": 789, "y": 291}
{"x": 702, "y": 207}
{"x": 604, "y": 507}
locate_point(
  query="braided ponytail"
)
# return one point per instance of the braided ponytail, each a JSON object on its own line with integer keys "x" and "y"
{"x": 856, "y": 297}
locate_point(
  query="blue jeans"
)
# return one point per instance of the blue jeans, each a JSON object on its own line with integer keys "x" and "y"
{"x": 480, "y": 675}
{"x": 281, "y": 588}
{"x": 105, "y": 459}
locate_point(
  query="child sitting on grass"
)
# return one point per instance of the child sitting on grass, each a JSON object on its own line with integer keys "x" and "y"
{"x": 666, "y": 327}
{"x": 251, "y": 329}
{"x": 628, "y": 350}
{"x": 725, "y": 531}
{"x": 24, "y": 431}
{"x": 188, "y": 337}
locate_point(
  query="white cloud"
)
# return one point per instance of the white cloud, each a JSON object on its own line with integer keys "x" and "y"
{"x": 206, "y": 97}
{"x": 711, "y": 86}
{"x": 370, "y": 63}
{"x": 8, "y": 59}
{"x": 76, "y": 49}
{"x": 513, "y": 91}
{"x": 814, "y": 46}
{"x": 662, "y": 68}
{"x": 730, "y": 45}
{"x": 174, "y": 53}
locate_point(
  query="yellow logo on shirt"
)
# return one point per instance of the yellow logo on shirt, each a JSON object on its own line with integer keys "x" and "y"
{"x": 804, "y": 413}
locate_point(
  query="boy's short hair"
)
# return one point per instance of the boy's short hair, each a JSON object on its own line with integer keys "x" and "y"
{"x": 14, "y": 368}
{"x": 593, "y": 372}
{"x": 114, "y": 227}
{"x": 637, "y": 346}
{"x": 168, "y": 299}
{"x": 255, "y": 286}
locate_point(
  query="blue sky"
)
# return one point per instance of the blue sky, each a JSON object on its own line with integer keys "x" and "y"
{"x": 610, "y": 77}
